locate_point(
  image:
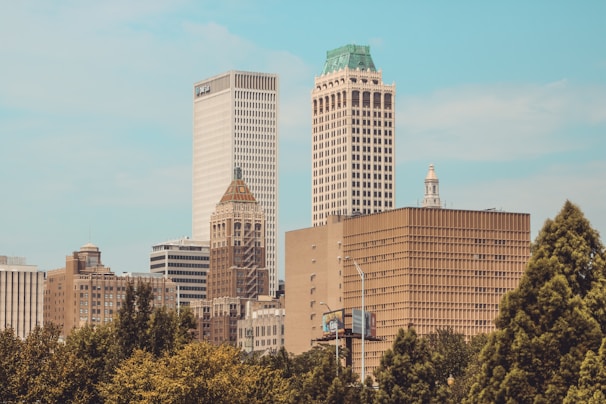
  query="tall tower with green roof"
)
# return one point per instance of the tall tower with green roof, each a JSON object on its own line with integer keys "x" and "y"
{"x": 353, "y": 136}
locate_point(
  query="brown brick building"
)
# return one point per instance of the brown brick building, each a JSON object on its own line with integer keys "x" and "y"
{"x": 423, "y": 267}
{"x": 237, "y": 245}
{"x": 86, "y": 291}
{"x": 237, "y": 272}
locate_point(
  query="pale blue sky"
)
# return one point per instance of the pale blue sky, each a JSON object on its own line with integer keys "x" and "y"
{"x": 507, "y": 99}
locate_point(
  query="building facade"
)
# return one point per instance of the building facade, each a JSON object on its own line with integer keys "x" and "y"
{"x": 314, "y": 274}
{"x": 21, "y": 295}
{"x": 353, "y": 137}
{"x": 186, "y": 263}
{"x": 262, "y": 328}
{"x": 237, "y": 273}
{"x": 237, "y": 244}
{"x": 236, "y": 125}
{"x": 86, "y": 291}
{"x": 426, "y": 268}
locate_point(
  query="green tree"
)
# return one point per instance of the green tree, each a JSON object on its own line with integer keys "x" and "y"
{"x": 136, "y": 380}
{"x": 10, "y": 347}
{"x": 314, "y": 374}
{"x": 186, "y": 326}
{"x": 96, "y": 346}
{"x": 454, "y": 353}
{"x": 462, "y": 384}
{"x": 591, "y": 388}
{"x": 545, "y": 326}
{"x": 197, "y": 373}
{"x": 132, "y": 322}
{"x": 37, "y": 349}
{"x": 63, "y": 378}
{"x": 169, "y": 331}
{"x": 451, "y": 356}
{"x": 406, "y": 373}
{"x": 162, "y": 329}
{"x": 47, "y": 372}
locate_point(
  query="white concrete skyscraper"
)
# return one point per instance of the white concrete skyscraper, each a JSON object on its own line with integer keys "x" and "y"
{"x": 236, "y": 125}
{"x": 353, "y": 146}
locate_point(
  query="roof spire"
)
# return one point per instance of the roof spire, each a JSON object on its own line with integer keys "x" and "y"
{"x": 238, "y": 191}
{"x": 432, "y": 190}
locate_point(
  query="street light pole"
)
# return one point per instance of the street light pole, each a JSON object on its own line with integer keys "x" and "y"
{"x": 361, "y": 273}
{"x": 336, "y": 322}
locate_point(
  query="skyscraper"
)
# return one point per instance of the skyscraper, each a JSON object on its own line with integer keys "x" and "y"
{"x": 236, "y": 125}
{"x": 237, "y": 245}
{"x": 353, "y": 139}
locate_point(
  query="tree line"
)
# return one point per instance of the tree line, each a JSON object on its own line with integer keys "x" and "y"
{"x": 549, "y": 346}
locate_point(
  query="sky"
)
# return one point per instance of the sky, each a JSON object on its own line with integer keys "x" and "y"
{"x": 507, "y": 99}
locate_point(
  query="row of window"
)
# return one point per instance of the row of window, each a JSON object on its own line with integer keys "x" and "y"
{"x": 179, "y": 265}
{"x": 498, "y": 257}
{"x": 499, "y": 274}
{"x": 482, "y": 289}
{"x": 189, "y": 273}
{"x": 98, "y": 287}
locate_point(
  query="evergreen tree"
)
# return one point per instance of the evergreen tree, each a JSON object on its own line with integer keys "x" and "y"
{"x": 162, "y": 330}
{"x": 316, "y": 371}
{"x": 133, "y": 318}
{"x": 545, "y": 326}
{"x": 591, "y": 388}
{"x": 406, "y": 373}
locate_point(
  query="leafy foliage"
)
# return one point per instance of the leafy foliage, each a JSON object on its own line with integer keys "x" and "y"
{"x": 133, "y": 318}
{"x": 549, "y": 346}
{"x": 406, "y": 373}
{"x": 591, "y": 387}
{"x": 198, "y": 373}
{"x": 10, "y": 348}
{"x": 546, "y": 326}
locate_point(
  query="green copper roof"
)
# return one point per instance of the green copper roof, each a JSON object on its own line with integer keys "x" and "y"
{"x": 352, "y": 56}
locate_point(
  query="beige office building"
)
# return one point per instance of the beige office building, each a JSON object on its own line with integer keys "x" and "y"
{"x": 21, "y": 295}
{"x": 262, "y": 328}
{"x": 236, "y": 125}
{"x": 86, "y": 291}
{"x": 427, "y": 268}
{"x": 353, "y": 137}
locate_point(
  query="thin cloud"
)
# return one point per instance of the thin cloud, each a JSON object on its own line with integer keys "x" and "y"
{"x": 541, "y": 193}
{"x": 497, "y": 123}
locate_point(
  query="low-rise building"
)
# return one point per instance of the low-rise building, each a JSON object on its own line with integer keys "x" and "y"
{"x": 86, "y": 291}
{"x": 262, "y": 328}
